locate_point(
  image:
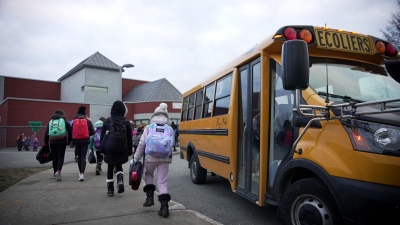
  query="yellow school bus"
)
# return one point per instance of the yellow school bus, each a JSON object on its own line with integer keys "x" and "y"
{"x": 307, "y": 120}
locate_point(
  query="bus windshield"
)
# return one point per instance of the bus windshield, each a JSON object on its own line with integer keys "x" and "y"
{"x": 352, "y": 80}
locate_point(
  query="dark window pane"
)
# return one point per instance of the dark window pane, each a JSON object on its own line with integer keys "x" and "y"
{"x": 222, "y": 106}
{"x": 190, "y": 114}
{"x": 206, "y": 110}
{"x": 191, "y": 101}
{"x": 183, "y": 115}
{"x": 223, "y": 87}
{"x": 185, "y": 103}
{"x": 197, "y": 113}
{"x": 209, "y": 95}
{"x": 199, "y": 97}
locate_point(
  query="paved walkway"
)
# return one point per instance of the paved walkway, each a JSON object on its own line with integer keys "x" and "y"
{"x": 40, "y": 199}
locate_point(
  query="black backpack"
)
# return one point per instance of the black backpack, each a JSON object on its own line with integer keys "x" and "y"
{"x": 115, "y": 137}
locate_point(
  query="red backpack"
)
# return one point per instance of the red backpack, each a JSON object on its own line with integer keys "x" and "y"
{"x": 80, "y": 129}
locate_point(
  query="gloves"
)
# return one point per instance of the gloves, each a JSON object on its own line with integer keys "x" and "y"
{"x": 135, "y": 160}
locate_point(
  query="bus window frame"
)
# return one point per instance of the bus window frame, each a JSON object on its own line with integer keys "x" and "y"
{"x": 219, "y": 81}
{"x": 184, "y": 108}
{"x": 197, "y": 105}
{"x": 190, "y": 115}
{"x": 211, "y": 101}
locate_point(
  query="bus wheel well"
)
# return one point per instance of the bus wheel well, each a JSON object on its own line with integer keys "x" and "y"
{"x": 296, "y": 175}
{"x": 189, "y": 153}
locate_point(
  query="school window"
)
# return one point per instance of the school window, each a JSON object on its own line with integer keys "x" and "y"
{"x": 208, "y": 98}
{"x": 176, "y": 121}
{"x": 88, "y": 88}
{"x": 143, "y": 122}
{"x": 190, "y": 107}
{"x": 184, "y": 109}
{"x": 199, "y": 100}
{"x": 222, "y": 95}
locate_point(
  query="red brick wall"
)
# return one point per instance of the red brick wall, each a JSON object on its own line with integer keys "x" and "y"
{"x": 3, "y": 113}
{"x": 128, "y": 84}
{"x": 33, "y": 89}
{"x": 20, "y": 112}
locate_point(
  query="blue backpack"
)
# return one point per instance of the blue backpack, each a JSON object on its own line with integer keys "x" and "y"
{"x": 159, "y": 140}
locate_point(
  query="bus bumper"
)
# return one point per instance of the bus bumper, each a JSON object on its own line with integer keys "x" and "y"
{"x": 368, "y": 203}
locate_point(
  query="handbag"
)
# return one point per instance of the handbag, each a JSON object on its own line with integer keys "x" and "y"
{"x": 91, "y": 157}
{"x": 135, "y": 174}
{"x": 44, "y": 155}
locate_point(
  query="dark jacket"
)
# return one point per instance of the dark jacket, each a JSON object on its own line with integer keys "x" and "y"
{"x": 90, "y": 127}
{"x": 120, "y": 157}
{"x": 66, "y": 140}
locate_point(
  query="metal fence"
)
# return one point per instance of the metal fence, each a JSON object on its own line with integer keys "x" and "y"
{"x": 10, "y": 157}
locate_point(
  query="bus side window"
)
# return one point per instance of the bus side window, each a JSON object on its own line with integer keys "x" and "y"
{"x": 222, "y": 95}
{"x": 190, "y": 107}
{"x": 208, "y": 101}
{"x": 184, "y": 109}
{"x": 199, "y": 99}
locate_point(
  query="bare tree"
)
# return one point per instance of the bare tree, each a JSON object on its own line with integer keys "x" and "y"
{"x": 392, "y": 33}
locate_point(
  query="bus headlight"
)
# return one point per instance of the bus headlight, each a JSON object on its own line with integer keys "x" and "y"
{"x": 373, "y": 137}
{"x": 387, "y": 138}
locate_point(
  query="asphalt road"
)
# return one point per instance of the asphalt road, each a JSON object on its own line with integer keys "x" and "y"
{"x": 215, "y": 198}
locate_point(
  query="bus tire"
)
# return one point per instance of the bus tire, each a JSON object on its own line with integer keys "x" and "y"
{"x": 309, "y": 201}
{"x": 197, "y": 173}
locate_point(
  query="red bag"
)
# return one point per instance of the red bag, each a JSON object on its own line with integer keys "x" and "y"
{"x": 80, "y": 129}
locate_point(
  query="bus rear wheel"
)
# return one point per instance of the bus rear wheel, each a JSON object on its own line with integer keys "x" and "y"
{"x": 309, "y": 201}
{"x": 197, "y": 173}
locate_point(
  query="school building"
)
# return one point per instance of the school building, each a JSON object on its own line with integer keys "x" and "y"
{"x": 96, "y": 83}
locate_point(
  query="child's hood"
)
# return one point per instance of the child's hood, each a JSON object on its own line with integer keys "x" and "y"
{"x": 98, "y": 124}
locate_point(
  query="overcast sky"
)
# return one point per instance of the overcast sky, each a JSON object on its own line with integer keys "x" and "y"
{"x": 182, "y": 41}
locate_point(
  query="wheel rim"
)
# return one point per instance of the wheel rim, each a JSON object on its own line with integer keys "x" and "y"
{"x": 309, "y": 210}
{"x": 194, "y": 169}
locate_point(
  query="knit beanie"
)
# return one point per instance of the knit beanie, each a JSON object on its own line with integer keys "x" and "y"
{"x": 82, "y": 110}
{"x": 162, "y": 109}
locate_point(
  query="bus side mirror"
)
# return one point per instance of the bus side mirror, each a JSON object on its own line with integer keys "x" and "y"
{"x": 295, "y": 65}
{"x": 393, "y": 67}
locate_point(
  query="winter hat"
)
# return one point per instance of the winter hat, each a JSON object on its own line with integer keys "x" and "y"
{"x": 162, "y": 109}
{"x": 82, "y": 110}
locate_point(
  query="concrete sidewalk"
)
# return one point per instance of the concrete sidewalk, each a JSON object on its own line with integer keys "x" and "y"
{"x": 40, "y": 199}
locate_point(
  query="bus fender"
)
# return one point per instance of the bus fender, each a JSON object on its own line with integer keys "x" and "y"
{"x": 287, "y": 171}
{"x": 189, "y": 153}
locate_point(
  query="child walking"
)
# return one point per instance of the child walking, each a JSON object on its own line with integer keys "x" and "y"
{"x": 35, "y": 144}
{"x": 116, "y": 157}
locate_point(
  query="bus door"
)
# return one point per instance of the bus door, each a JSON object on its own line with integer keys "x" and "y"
{"x": 281, "y": 129}
{"x": 249, "y": 130}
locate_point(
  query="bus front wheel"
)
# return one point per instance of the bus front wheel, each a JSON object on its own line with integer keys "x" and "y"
{"x": 309, "y": 201}
{"x": 197, "y": 173}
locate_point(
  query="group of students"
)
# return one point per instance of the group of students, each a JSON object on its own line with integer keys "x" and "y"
{"x": 114, "y": 158}
{"x": 24, "y": 143}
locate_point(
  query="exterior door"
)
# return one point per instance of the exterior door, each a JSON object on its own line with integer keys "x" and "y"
{"x": 249, "y": 130}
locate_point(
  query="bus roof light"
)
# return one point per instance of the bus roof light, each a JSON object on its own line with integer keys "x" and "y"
{"x": 380, "y": 47}
{"x": 289, "y": 33}
{"x": 390, "y": 50}
{"x": 306, "y": 36}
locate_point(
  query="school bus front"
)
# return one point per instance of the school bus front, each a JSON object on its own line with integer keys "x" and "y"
{"x": 334, "y": 159}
